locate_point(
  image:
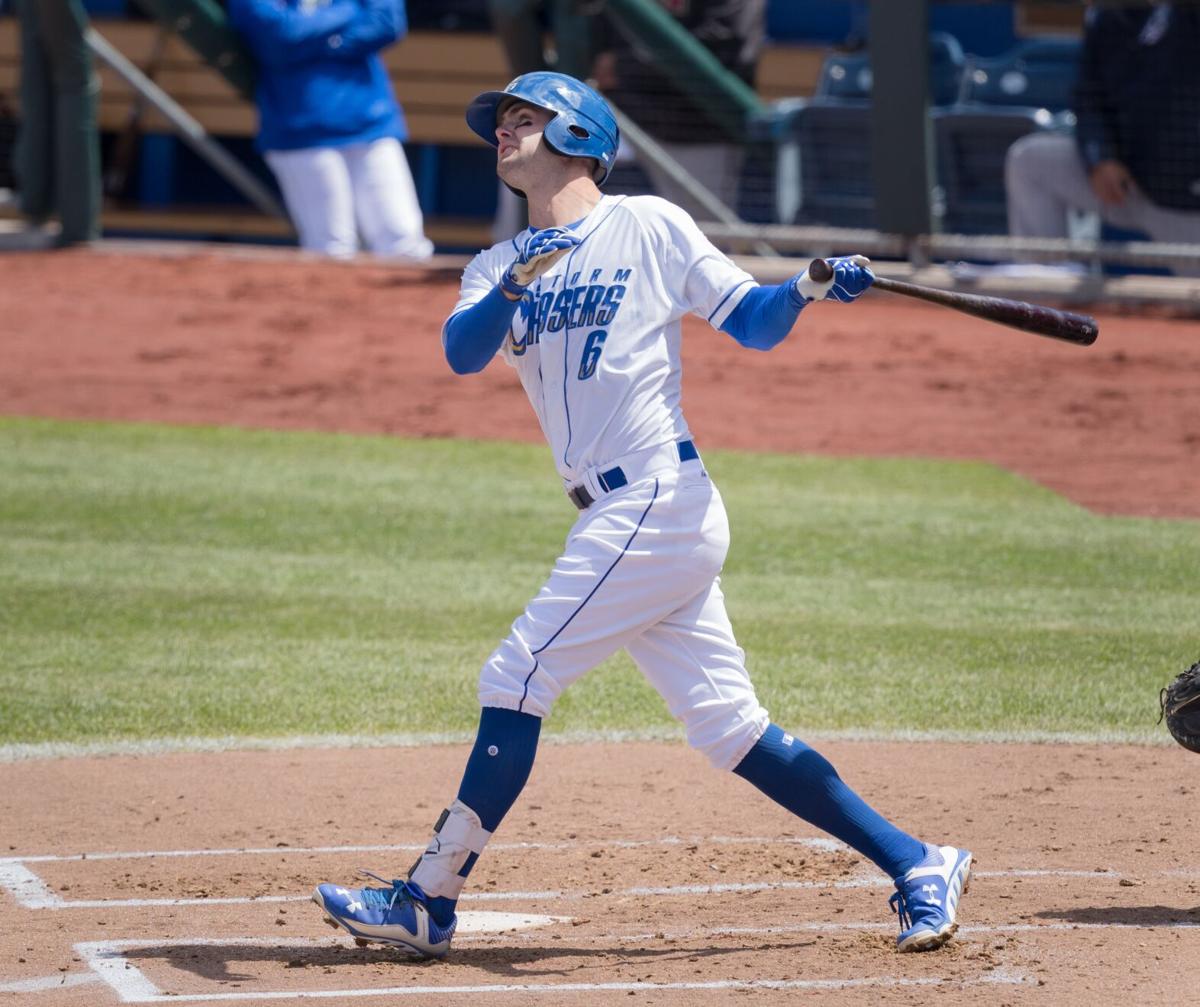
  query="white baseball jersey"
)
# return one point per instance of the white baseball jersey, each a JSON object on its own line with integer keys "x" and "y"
{"x": 596, "y": 340}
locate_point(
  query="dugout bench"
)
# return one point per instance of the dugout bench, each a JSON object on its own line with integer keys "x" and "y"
{"x": 435, "y": 75}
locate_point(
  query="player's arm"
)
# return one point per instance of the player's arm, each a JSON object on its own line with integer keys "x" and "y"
{"x": 279, "y": 34}
{"x": 1093, "y": 105}
{"x": 473, "y": 334}
{"x": 765, "y": 314}
{"x": 378, "y": 24}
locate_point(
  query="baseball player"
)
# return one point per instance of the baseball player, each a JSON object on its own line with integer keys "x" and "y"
{"x": 586, "y": 306}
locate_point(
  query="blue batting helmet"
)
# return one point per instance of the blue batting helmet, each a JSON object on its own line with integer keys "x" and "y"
{"x": 583, "y": 124}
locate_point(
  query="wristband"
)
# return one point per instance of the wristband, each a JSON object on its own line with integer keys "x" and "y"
{"x": 509, "y": 287}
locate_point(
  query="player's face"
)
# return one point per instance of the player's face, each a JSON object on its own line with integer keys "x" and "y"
{"x": 519, "y": 142}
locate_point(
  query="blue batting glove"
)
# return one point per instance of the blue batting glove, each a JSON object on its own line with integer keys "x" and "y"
{"x": 548, "y": 239}
{"x": 542, "y": 249}
{"x": 850, "y": 278}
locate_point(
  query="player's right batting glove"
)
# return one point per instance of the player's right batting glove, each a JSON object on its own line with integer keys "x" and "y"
{"x": 542, "y": 249}
{"x": 851, "y": 278}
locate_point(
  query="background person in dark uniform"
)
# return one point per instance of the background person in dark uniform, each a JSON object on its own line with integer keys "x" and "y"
{"x": 57, "y": 157}
{"x": 1135, "y": 156}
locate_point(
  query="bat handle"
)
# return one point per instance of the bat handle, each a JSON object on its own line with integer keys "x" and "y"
{"x": 820, "y": 271}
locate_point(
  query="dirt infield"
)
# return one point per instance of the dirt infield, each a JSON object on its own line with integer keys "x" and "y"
{"x": 633, "y": 871}
{"x": 290, "y": 344}
{"x": 661, "y": 872}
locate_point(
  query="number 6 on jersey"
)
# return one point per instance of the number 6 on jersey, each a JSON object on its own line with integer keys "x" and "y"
{"x": 591, "y": 353}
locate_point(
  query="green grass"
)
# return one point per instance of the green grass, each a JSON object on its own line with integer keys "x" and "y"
{"x": 162, "y": 582}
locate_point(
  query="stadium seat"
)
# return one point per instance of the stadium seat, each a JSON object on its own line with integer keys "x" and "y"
{"x": 983, "y": 28}
{"x": 848, "y": 75}
{"x": 1002, "y": 99}
{"x": 845, "y": 75}
{"x": 817, "y": 21}
{"x": 1040, "y": 73}
{"x": 822, "y": 146}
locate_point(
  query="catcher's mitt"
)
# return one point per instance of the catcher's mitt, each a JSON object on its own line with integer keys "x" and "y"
{"x": 1179, "y": 703}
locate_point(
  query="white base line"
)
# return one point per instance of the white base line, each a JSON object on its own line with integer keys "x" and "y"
{"x": 56, "y": 982}
{"x": 669, "y": 734}
{"x": 129, "y": 983}
{"x": 824, "y": 926}
{"x": 813, "y": 842}
{"x": 27, "y": 888}
{"x": 32, "y": 893}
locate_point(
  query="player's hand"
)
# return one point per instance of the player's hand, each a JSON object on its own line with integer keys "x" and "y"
{"x": 851, "y": 277}
{"x": 542, "y": 249}
{"x": 1111, "y": 182}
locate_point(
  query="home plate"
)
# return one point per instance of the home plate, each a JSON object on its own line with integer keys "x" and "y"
{"x": 494, "y": 923}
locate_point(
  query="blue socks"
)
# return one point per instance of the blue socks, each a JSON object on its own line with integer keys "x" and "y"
{"x": 804, "y": 782}
{"x": 782, "y": 767}
{"x": 496, "y": 772}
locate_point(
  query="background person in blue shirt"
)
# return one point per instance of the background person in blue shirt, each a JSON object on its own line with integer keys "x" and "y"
{"x": 329, "y": 124}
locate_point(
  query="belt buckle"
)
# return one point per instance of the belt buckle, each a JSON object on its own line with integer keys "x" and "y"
{"x": 580, "y": 497}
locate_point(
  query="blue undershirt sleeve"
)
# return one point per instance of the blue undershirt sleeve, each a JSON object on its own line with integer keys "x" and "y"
{"x": 765, "y": 315}
{"x": 472, "y": 336}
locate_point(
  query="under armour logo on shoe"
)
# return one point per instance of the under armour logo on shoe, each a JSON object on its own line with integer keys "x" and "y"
{"x": 342, "y": 891}
{"x": 353, "y": 907}
{"x": 930, "y": 896}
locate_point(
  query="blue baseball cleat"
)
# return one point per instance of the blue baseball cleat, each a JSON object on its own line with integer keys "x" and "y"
{"x": 394, "y": 915}
{"x": 926, "y": 898}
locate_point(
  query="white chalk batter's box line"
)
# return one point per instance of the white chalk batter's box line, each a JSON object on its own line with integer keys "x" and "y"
{"x": 481, "y": 930}
{"x": 109, "y": 961}
{"x": 812, "y": 842}
{"x": 820, "y": 927}
{"x": 31, "y": 892}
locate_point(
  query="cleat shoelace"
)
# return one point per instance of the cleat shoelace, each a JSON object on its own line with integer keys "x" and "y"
{"x": 900, "y": 907}
{"x": 396, "y": 891}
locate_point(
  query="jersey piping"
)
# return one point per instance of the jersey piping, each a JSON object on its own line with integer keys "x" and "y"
{"x": 590, "y": 594}
{"x": 567, "y": 330}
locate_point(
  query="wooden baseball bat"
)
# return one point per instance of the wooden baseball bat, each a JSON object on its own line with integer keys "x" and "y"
{"x": 1081, "y": 330}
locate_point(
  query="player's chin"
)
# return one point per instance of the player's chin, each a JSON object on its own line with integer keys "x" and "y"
{"x": 509, "y": 171}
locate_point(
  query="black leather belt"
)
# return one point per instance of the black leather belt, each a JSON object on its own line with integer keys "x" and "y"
{"x": 615, "y": 478}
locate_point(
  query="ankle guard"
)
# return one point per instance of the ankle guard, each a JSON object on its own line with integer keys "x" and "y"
{"x": 456, "y": 836}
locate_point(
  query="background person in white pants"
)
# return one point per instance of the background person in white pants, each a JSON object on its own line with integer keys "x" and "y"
{"x": 329, "y": 124}
{"x": 1135, "y": 155}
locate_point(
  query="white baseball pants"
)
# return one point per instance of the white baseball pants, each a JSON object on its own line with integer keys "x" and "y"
{"x": 639, "y": 571}
{"x": 334, "y": 194}
{"x": 1044, "y": 177}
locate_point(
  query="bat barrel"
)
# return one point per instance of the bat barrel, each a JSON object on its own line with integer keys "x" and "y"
{"x": 1068, "y": 326}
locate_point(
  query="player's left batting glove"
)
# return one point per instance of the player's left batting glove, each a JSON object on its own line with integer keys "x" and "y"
{"x": 542, "y": 249}
{"x": 851, "y": 277}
